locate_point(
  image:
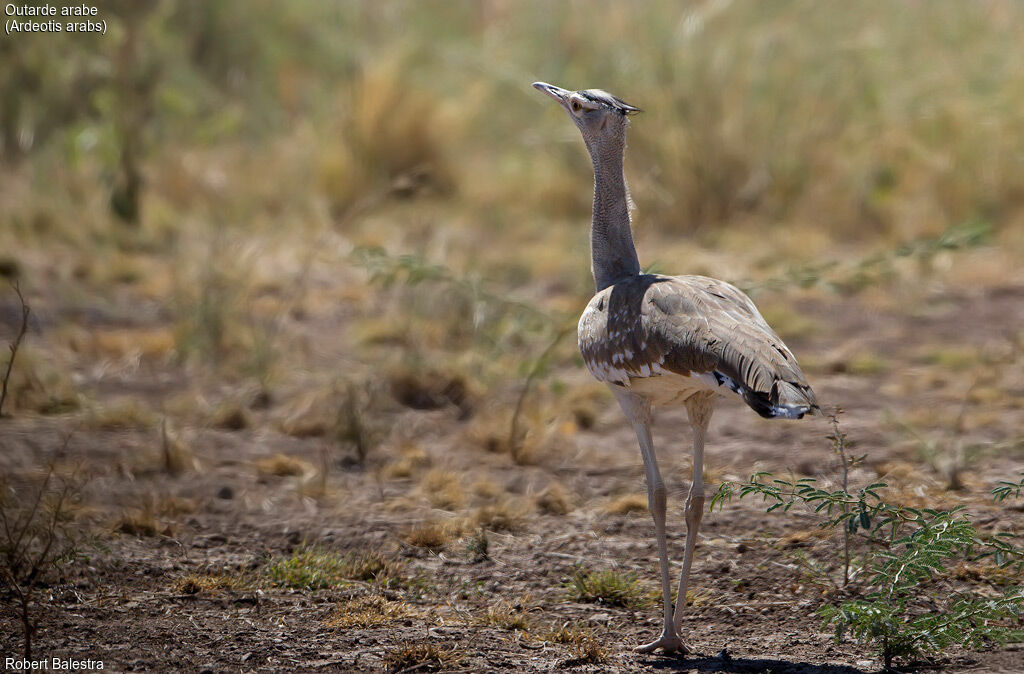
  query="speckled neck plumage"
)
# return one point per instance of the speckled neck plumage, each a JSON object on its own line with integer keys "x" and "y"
{"x": 612, "y": 253}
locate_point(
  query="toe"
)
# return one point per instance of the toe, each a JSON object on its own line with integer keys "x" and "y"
{"x": 669, "y": 643}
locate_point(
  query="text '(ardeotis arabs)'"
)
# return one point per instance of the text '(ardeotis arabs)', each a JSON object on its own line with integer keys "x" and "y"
{"x": 666, "y": 340}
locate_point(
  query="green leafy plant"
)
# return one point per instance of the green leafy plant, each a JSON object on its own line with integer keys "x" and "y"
{"x": 315, "y": 568}
{"x": 901, "y": 608}
{"x": 902, "y": 619}
{"x": 609, "y": 586}
{"x": 1005, "y": 490}
{"x": 873, "y": 269}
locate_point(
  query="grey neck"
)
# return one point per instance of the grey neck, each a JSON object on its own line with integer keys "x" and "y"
{"x": 612, "y": 254}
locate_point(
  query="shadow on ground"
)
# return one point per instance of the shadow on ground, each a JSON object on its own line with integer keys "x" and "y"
{"x": 745, "y": 665}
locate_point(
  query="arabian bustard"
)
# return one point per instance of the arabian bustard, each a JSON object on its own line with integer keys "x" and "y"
{"x": 659, "y": 340}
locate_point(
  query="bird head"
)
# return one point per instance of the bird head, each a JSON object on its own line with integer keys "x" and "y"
{"x": 600, "y": 117}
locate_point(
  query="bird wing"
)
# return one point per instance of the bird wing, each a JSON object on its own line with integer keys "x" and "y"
{"x": 692, "y": 326}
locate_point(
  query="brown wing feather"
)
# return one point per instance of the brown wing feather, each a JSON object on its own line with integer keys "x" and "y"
{"x": 692, "y": 325}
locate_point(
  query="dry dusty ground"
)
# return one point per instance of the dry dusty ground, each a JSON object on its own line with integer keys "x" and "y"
{"x": 181, "y": 582}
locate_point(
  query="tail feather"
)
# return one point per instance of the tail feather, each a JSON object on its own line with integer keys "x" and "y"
{"x": 786, "y": 400}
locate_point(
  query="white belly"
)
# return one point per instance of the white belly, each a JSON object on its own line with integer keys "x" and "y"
{"x": 669, "y": 387}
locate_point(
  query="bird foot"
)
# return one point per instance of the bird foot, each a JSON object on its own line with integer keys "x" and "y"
{"x": 669, "y": 643}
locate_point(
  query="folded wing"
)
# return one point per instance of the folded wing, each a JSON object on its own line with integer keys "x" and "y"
{"x": 692, "y": 326}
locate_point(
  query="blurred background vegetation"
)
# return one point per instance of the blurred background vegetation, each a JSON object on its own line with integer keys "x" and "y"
{"x": 296, "y": 190}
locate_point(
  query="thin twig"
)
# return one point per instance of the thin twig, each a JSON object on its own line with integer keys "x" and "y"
{"x": 839, "y": 444}
{"x": 25, "y": 311}
{"x": 538, "y": 367}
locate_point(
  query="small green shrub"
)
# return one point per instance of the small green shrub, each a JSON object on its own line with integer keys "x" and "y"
{"x": 900, "y": 609}
{"x": 609, "y": 586}
{"x": 313, "y": 568}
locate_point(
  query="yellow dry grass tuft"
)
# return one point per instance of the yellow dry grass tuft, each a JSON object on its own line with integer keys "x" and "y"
{"x": 282, "y": 465}
{"x": 142, "y": 522}
{"x": 804, "y": 537}
{"x": 411, "y": 459}
{"x": 434, "y": 534}
{"x": 588, "y": 652}
{"x": 368, "y": 611}
{"x": 121, "y": 414}
{"x": 176, "y": 457}
{"x": 153, "y": 343}
{"x": 505, "y": 616}
{"x": 419, "y": 656}
{"x": 567, "y": 634}
{"x": 38, "y": 384}
{"x": 509, "y": 515}
{"x": 627, "y": 504}
{"x": 230, "y": 416}
{"x": 554, "y": 500}
{"x": 211, "y": 583}
{"x": 487, "y": 490}
{"x": 443, "y": 489}
{"x": 314, "y": 413}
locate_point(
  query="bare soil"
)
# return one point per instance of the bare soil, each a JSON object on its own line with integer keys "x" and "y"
{"x": 754, "y": 604}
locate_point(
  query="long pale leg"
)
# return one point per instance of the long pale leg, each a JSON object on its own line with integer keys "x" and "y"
{"x": 699, "y": 408}
{"x": 638, "y": 411}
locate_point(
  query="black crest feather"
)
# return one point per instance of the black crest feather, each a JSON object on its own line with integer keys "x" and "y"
{"x": 614, "y": 102}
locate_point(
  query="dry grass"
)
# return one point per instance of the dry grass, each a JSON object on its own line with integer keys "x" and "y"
{"x": 171, "y": 506}
{"x": 488, "y": 490}
{"x": 566, "y": 634}
{"x": 506, "y": 616}
{"x": 155, "y": 344}
{"x": 433, "y": 534}
{"x": 509, "y": 515}
{"x": 986, "y": 572}
{"x": 588, "y": 652}
{"x": 787, "y": 322}
{"x": 230, "y": 416}
{"x": 443, "y": 489}
{"x": 554, "y": 500}
{"x": 420, "y": 656}
{"x": 368, "y": 611}
{"x": 312, "y": 414}
{"x": 952, "y": 358}
{"x": 388, "y": 140}
{"x": 122, "y": 414}
{"x": 39, "y": 383}
{"x": 142, "y": 522}
{"x": 804, "y": 537}
{"x": 211, "y": 583}
{"x": 282, "y": 465}
{"x": 411, "y": 460}
{"x": 176, "y": 457}
{"x": 430, "y": 390}
{"x": 627, "y": 504}
{"x": 584, "y": 647}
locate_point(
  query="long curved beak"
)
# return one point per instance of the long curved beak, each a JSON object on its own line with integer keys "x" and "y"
{"x": 557, "y": 93}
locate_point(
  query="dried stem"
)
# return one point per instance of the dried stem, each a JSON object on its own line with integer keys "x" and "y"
{"x": 538, "y": 366}
{"x": 838, "y": 439}
{"x": 25, "y": 311}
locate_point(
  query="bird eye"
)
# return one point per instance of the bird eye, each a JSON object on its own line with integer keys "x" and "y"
{"x": 575, "y": 105}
